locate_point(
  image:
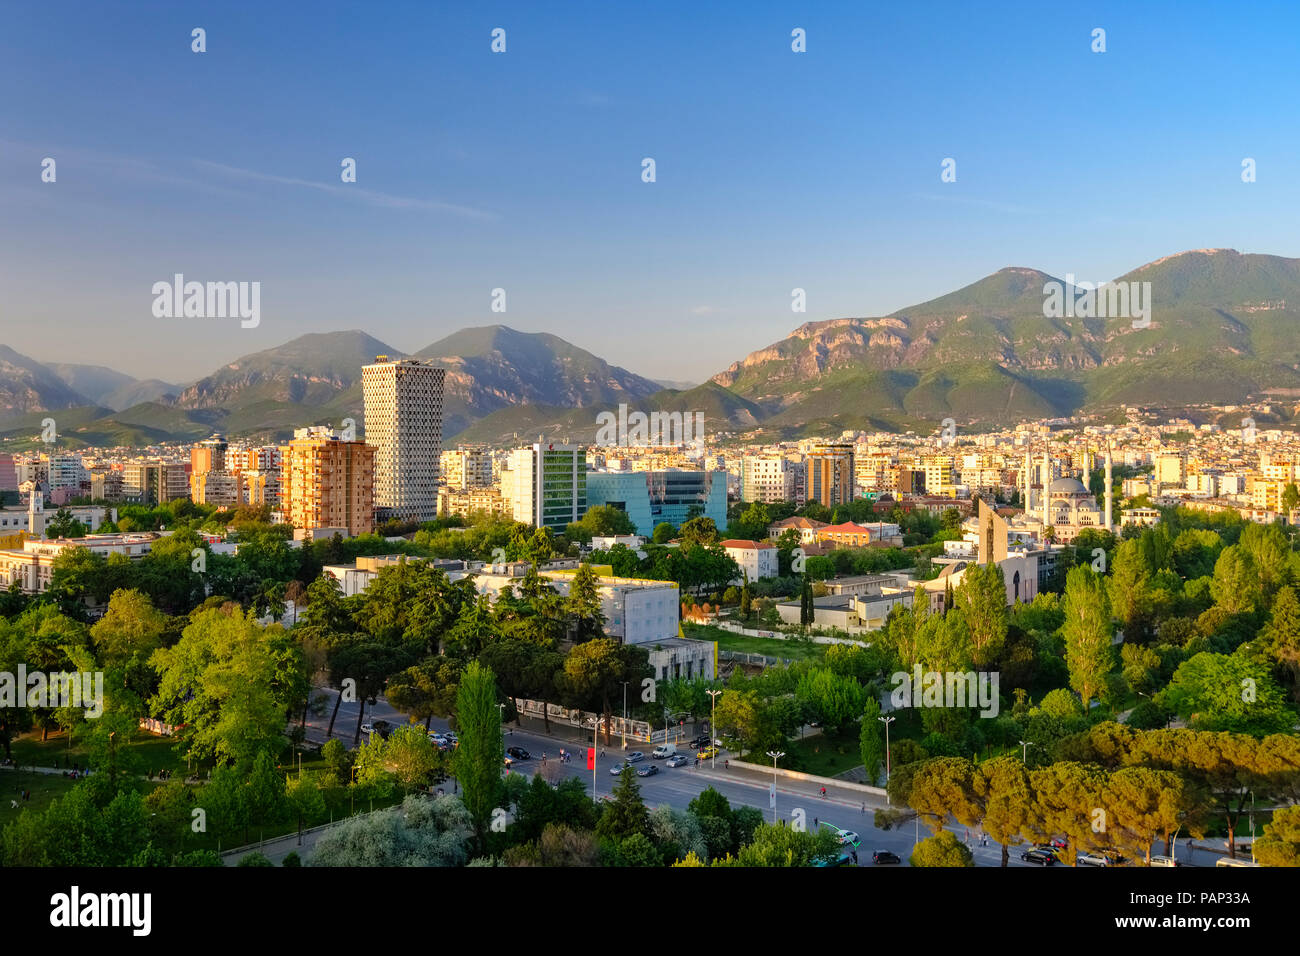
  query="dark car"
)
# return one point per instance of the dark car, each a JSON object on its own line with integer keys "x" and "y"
{"x": 649, "y": 770}
{"x": 1038, "y": 856}
{"x": 700, "y": 742}
{"x": 383, "y": 728}
{"x": 519, "y": 753}
{"x": 885, "y": 856}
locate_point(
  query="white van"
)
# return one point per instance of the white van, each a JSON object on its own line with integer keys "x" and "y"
{"x": 663, "y": 751}
{"x": 1164, "y": 861}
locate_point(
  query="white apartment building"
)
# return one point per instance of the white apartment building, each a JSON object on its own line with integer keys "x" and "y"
{"x": 767, "y": 479}
{"x": 403, "y": 401}
{"x": 757, "y": 559}
{"x": 465, "y": 467}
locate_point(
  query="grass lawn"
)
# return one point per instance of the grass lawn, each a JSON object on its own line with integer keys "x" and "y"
{"x": 822, "y": 755}
{"x": 741, "y": 643}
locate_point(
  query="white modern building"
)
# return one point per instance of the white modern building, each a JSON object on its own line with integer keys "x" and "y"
{"x": 768, "y": 478}
{"x": 546, "y": 484}
{"x": 404, "y": 424}
{"x": 757, "y": 559}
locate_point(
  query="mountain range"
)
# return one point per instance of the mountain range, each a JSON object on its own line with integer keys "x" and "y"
{"x": 1222, "y": 329}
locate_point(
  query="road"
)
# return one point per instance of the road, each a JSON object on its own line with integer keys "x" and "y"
{"x": 677, "y": 786}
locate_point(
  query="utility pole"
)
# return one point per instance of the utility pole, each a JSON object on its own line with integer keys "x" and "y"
{"x": 774, "y": 754}
{"x": 886, "y": 721}
{"x": 713, "y": 728}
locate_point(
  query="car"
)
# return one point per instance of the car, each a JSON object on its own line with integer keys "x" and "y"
{"x": 1164, "y": 861}
{"x": 678, "y": 760}
{"x": 649, "y": 770}
{"x": 707, "y": 753}
{"x": 700, "y": 741}
{"x": 848, "y": 838}
{"x": 1038, "y": 856}
{"x": 367, "y": 728}
{"x": 615, "y": 770}
{"x": 635, "y": 756}
{"x": 519, "y": 753}
{"x": 885, "y": 856}
{"x": 1091, "y": 859}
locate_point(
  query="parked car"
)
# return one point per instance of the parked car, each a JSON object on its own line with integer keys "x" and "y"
{"x": 367, "y": 728}
{"x": 1091, "y": 859}
{"x": 678, "y": 760}
{"x": 1038, "y": 856}
{"x": 1164, "y": 861}
{"x": 885, "y": 856}
{"x": 700, "y": 741}
{"x": 649, "y": 770}
{"x": 519, "y": 753}
{"x": 635, "y": 756}
{"x": 707, "y": 753}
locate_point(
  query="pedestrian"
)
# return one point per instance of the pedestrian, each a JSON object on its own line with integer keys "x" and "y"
{"x": 855, "y": 857}
{"x": 815, "y": 823}
{"x": 697, "y": 762}
{"x": 967, "y": 840}
{"x": 726, "y": 765}
{"x": 864, "y": 807}
{"x": 823, "y": 793}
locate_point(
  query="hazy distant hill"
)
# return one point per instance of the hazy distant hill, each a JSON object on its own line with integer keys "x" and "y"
{"x": 106, "y": 386}
{"x": 1223, "y": 328}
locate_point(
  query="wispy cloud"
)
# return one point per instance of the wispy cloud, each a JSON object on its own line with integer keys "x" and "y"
{"x": 349, "y": 191}
{"x": 974, "y": 201}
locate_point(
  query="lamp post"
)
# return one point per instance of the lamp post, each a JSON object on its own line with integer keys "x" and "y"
{"x": 625, "y": 715}
{"x": 713, "y": 729}
{"x": 1024, "y": 750}
{"x": 775, "y": 755}
{"x": 886, "y": 721}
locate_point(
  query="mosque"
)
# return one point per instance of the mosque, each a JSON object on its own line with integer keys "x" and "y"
{"x": 1067, "y": 506}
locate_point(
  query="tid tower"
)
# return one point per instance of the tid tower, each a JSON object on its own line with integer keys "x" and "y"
{"x": 404, "y": 425}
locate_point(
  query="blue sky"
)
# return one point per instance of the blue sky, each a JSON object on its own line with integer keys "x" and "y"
{"x": 522, "y": 170}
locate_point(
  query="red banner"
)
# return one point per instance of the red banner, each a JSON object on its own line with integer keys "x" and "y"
{"x": 591, "y": 758}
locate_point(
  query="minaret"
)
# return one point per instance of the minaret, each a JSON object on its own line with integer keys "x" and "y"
{"x": 1110, "y": 494}
{"x": 1028, "y": 479}
{"x": 1047, "y": 481}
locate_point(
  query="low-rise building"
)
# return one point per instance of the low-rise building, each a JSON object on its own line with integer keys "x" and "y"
{"x": 757, "y": 559}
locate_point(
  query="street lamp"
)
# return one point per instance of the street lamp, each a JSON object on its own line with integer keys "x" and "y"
{"x": 625, "y": 715}
{"x": 1024, "y": 750}
{"x": 775, "y": 755}
{"x": 713, "y": 727}
{"x": 886, "y": 721}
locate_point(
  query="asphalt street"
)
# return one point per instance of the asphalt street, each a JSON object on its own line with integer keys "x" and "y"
{"x": 842, "y": 808}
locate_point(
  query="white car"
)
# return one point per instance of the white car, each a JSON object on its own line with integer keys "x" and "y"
{"x": 848, "y": 838}
{"x": 1091, "y": 859}
{"x": 367, "y": 728}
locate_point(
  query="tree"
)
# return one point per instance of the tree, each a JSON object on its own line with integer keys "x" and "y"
{"x": 1140, "y": 804}
{"x": 783, "y": 846}
{"x": 943, "y": 787}
{"x": 583, "y": 605}
{"x": 64, "y": 525}
{"x": 982, "y": 600}
{"x": 699, "y": 531}
{"x": 1236, "y": 587}
{"x": 664, "y": 532}
{"x": 412, "y": 756}
{"x": 422, "y": 832}
{"x": 231, "y": 684}
{"x": 1002, "y": 785}
{"x": 481, "y": 755}
{"x": 807, "y": 609}
{"x": 944, "y": 849}
{"x": 1130, "y": 591}
{"x": 871, "y": 740}
{"x": 1279, "y": 845}
{"x": 1087, "y": 632}
{"x": 625, "y": 814}
{"x": 1228, "y": 692}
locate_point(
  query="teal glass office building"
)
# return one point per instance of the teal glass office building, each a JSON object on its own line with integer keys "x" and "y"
{"x": 652, "y": 497}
